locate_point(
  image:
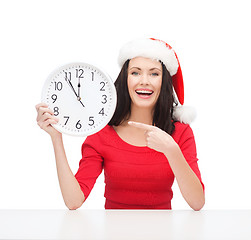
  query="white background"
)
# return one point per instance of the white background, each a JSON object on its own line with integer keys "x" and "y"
{"x": 212, "y": 40}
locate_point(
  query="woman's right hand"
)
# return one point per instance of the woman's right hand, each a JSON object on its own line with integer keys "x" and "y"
{"x": 45, "y": 117}
{"x": 70, "y": 188}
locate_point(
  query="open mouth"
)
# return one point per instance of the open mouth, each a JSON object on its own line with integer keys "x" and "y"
{"x": 144, "y": 92}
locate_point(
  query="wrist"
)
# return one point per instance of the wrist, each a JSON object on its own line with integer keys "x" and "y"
{"x": 56, "y": 137}
{"x": 172, "y": 150}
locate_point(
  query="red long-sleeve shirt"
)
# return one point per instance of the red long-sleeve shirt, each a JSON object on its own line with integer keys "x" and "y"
{"x": 135, "y": 177}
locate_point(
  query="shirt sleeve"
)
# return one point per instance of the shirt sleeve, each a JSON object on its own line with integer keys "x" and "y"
{"x": 90, "y": 167}
{"x": 188, "y": 148}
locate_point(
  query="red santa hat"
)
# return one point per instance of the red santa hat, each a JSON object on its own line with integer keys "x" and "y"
{"x": 160, "y": 50}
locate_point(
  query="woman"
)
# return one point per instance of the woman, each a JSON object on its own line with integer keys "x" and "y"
{"x": 144, "y": 146}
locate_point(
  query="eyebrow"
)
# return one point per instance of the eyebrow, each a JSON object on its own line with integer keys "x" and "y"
{"x": 154, "y": 69}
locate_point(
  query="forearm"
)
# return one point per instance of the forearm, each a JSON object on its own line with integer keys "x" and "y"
{"x": 71, "y": 192}
{"x": 189, "y": 184}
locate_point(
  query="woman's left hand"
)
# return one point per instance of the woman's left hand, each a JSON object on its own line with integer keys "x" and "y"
{"x": 156, "y": 138}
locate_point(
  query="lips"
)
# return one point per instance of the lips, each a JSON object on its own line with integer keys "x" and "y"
{"x": 144, "y": 93}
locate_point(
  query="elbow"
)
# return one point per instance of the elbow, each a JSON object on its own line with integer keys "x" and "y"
{"x": 75, "y": 203}
{"x": 73, "y": 206}
{"x": 198, "y": 205}
{"x": 198, "y": 208}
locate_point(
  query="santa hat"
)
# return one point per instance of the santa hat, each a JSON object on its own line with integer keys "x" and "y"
{"x": 159, "y": 50}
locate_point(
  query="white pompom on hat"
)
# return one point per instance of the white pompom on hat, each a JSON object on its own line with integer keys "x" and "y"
{"x": 159, "y": 50}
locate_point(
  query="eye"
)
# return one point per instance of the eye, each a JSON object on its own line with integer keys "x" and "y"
{"x": 155, "y": 74}
{"x": 135, "y": 73}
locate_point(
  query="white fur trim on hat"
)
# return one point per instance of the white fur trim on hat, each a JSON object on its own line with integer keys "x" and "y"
{"x": 184, "y": 114}
{"x": 150, "y": 49}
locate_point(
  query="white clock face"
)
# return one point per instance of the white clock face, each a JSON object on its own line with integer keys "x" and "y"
{"x": 82, "y": 96}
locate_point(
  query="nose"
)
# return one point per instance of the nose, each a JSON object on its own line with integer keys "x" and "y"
{"x": 144, "y": 80}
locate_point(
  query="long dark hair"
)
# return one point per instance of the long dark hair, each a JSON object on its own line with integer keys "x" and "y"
{"x": 163, "y": 111}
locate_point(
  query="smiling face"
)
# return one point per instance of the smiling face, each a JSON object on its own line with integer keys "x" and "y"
{"x": 144, "y": 82}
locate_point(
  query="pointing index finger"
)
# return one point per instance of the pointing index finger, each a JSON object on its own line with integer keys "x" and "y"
{"x": 140, "y": 125}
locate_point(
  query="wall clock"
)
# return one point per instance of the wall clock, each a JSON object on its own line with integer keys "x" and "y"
{"x": 82, "y": 96}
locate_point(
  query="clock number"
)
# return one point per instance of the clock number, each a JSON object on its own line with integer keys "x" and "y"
{"x": 102, "y": 112}
{"x": 58, "y": 86}
{"x": 102, "y": 88}
{"x": 78, "y": 125}
{"x": 105, "y": 99}
{"x": 54, "y": 97}
{"x": 92, "y": 76}
{"x": 91, "y": 121}
{"x": 79, "y": 73}
{"x": 67, "y": 119}
{"x": 56, "y": 111}
{"x": 67, "y": 76}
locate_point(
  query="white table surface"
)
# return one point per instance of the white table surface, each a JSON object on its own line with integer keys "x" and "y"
{"x": 126, "y": 224}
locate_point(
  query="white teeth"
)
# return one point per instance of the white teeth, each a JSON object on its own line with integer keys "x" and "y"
{"x": 144, "y": 91}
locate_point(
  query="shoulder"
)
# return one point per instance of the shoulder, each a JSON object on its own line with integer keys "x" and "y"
{"x": 106, "y": 132}
{"x": 101, "y": 137}
{"x": 182, "y": 132}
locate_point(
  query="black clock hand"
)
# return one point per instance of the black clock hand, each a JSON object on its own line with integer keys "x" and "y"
{"x": 79, "y": 98}
{"x": 69, "y": 82}
{"x": 81, "y": 103}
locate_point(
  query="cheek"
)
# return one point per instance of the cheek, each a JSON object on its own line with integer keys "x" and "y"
{"x": 130, "y": 84}
{"x": 158, "y": 85}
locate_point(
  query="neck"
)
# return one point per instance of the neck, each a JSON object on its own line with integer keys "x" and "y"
{"x": 142, "y": 115}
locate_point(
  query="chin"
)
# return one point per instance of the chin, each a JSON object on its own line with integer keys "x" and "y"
{"x": 144, "y": 105}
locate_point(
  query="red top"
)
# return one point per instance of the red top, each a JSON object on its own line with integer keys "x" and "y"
{"x": 135, "y": 177}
